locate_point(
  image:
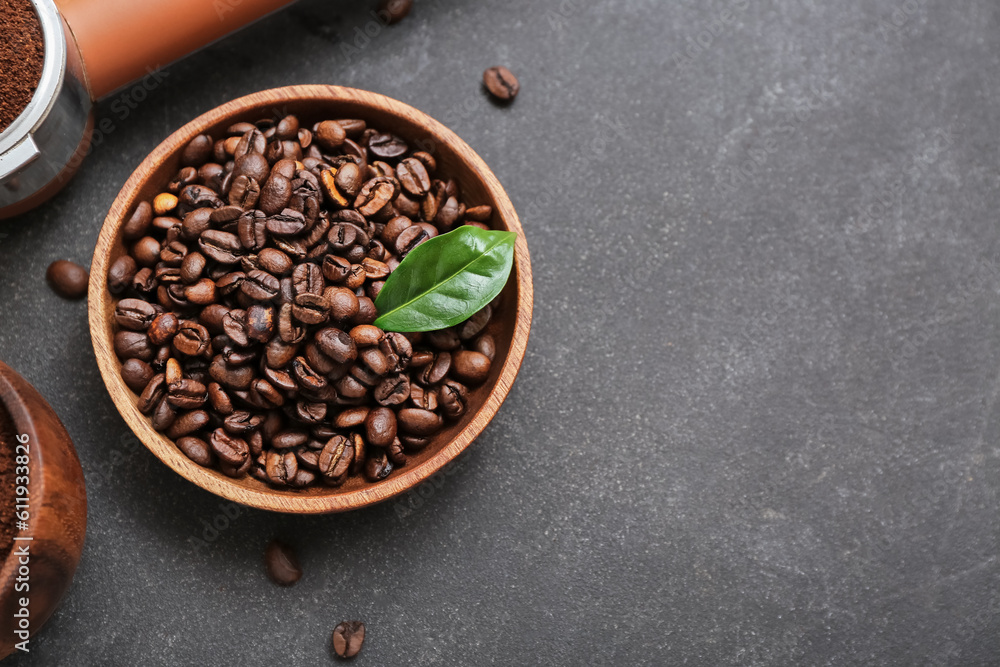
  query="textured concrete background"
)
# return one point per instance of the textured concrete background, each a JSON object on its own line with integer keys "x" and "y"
{"x": 757, "y": 423}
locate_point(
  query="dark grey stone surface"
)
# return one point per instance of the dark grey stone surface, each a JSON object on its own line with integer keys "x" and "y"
{"x": 758, "y": 419}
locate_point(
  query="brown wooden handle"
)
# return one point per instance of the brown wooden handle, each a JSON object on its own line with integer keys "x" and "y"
{"x": 124, "y": 40}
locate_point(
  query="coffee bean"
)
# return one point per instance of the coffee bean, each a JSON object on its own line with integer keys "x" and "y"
{"x": 378, "y": 466}
{"x": 348, "y": 638}
{"x": 187, "y": 423}
{"x": 134, "y": 314}
{"x": 387, "y": 146}
{"x": 337, "y": 345}
{"x": 311, "y": 308}
{"x": 67, "y": 279}
{"x": 196, "y": 449}
{"x": 121, "y": 273}
{"x": 335, "y": 460}
{"x": 380, "y": 427}
{"x": 394, "y": 11}
{"x": 137, "y": 226}
{"x": 191, "y": 339}
{"x": 470, "y": 366}
{"x": 281, "y": 564}
{"x": 501, "y": 84}
{"x": 231, "y": 450}
{"x": 220, "y": 246}
{"x": 136, "y": 374}
{"x": 419, "y": 422}
{"x": 260, "y": 285}
{"x": 133, "y": 345}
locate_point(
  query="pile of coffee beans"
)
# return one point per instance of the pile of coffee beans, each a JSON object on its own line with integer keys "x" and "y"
{"x": 247, "y": 299}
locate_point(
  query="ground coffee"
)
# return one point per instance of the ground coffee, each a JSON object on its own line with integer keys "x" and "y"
{"x": 22, "y": 53}
{"x": 8, "y": 443}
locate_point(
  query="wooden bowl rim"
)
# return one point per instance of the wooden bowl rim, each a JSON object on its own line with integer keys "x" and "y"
{"x": 289, "y": 501}
{"x": 23, "y": 421}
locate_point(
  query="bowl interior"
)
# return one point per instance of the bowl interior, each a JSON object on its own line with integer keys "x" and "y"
{"x": 455, "y": 159}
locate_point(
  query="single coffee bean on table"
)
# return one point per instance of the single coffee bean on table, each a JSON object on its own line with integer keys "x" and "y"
{"x": 22, "y": 55}
{"x": 394, "y": 11}
{"x": 501, "y": 83}
{"x": 281, "y": 563}
{"x": 67, "y": 279}
{"x": 245, "y": 306}
{"x": 347, "y": 639}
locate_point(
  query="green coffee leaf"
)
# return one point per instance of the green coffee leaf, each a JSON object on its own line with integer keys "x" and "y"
{"x": 446, "y": 280}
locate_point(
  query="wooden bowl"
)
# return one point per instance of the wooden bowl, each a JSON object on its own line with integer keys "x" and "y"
{"x": 455, "y": 159}
{"x": 57, "y": 511}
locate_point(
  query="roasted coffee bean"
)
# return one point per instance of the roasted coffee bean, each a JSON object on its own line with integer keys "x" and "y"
{"x": 163, "y": 416}
{"x": 501, "y": 84}
{"x": 201, "y": 293}
{"x": 244, "y": 192}
{"x": 222, "y": 247}
{"x": 187, "y": 394}
{"x": 231, "y": 377}
{"x": 419, "y": 422}
{"x": 470, "y": 366}
{"x": 392, "y": 390}
{"x": 380, "y": 427}
{"x": 137, "y": 226}
{"x": 378, "y": 466}
{"x": 136, "y": 374}
{"x": 366, "y": 335}
{"x": 310, "y": 413}
{"x": 308, "y": 279}
{"x": 261, "y": 323}
{"x": 347, "y": 639}
{"x": 192, "y": 339}
{"x": 437, "y": 370}
{"x": 133, "y": 345}
{"x": 370, "y": 366}
{"x": 444, "y": 339}
{"x": 286, "y": 223}
{"x": 196, "y": 449}
{"x": 335, "y": 460}
{"x": 394, "y": 11}
{"x": 279, "y": 353}
{"x": 454, "y": 398}
{"x": 281, "y": 467}
{"x": 275, "y": 194}
{"x": 289, "y": 439}
{"x": 197, "y": 196}
{"x": 479, "y": 213}
{"x": 486, "y": 345}
{"x": 219, "y": 399}
{"x": 234, "y": 324}
{"x": 342, "y": 302}
{"x": 305, "y": 376}
{"x": 311, "y": 308}
{"x": 231, "y": 450}
{"x": 134, "y": 314}
{"x": 351, "y": 418}
{"x": 198, "y": 151}
{"x": 188, "y": 423}
{"x": 413, "y": 177}
{"x": 409, "y": 239}
{"x": 337, "y": 345}
{"x": 425, "y": 398}
{"x": 275, "y": 262}
{"x": 146, "y": 251}
{"x": 121, "y": 273}
{"x": 260, "y": 285}
{"x": 288, "y": 327}
{"x": 192, "y": 267}
{"x": 397, "y": 350}
{"x": 366, "y": 311}
{"x": 67, "y": 279}
{"x": 154, "y": 392}
{"x": 374, "y": 196}
{"x": 281, "y": 564}
{"x": 241, "y": 422}
{"x": 387, "y": 146}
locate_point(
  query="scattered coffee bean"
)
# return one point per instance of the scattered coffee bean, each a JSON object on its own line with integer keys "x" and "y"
{"x": 501, "y": 84}
{"x": 69, "y": 280}
{"x": 282, "y": 565}
{"x": 348, "y": 638}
